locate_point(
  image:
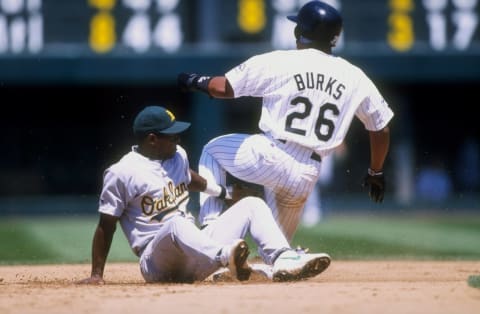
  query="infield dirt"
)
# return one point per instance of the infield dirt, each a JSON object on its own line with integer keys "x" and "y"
{"x": 347, "y": 287}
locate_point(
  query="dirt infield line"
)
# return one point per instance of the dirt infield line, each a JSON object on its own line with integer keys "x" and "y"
{"x": 346, "y": 287}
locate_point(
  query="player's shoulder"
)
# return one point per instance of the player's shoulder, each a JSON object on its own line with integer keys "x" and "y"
{"x": 271, "y": 56}
{"x": 350, "y": 65}
{"x": 341, "y": 61}
{"x": 124, "y": 164}
{"x": 272, "y": 59}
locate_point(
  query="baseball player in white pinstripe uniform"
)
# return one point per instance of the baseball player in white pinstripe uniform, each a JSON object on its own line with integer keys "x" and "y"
{"x": 309, "y": 100}
{"x": 147, "y": 192}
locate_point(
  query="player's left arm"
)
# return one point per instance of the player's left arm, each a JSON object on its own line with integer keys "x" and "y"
{"x": 375, "y": 114}
{"x": 375, "y": 179}
{"x": 379, "y": 147}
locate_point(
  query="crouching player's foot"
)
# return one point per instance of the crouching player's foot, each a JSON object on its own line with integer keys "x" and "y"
{"x": 237, "y": 261}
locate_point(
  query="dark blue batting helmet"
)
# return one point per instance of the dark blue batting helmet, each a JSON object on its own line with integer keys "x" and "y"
{"x": 318, "y": 22}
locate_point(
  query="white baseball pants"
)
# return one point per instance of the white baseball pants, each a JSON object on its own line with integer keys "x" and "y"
{"x": 181, "y": 252}
{"x": 285, "y": 169}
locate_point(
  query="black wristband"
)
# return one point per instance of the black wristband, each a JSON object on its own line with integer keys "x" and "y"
{"x": 374, "y": 173}
{"x": 201, "y": 83}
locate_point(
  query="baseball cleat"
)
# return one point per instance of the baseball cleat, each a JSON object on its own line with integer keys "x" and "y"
{"x": 222, "y": 275}
{"x": 237, "y": 261}
{"x": 260, "y": 273}
{"x": 291, "y": 266}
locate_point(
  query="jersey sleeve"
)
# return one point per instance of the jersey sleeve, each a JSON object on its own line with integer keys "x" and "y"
{"x": 374, "y": 111}
{"x": 186, "y": 165}
{"x": 113, "y": 196}
{"x": 252, "y": 77}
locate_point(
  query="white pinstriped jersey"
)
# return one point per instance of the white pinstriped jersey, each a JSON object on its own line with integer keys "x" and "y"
{"x": 309, "y": 101}
{"x": 309, "y": 97}
{"x": 141, "y": 191}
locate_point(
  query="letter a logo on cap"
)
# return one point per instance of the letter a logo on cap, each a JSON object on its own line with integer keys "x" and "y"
{"x": 172, "y": 117}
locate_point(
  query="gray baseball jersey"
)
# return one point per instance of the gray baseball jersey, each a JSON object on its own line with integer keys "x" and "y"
{"x": 142, "y": 192}
{"x": 309, "y": 101}
{"x": 150, "y": 198}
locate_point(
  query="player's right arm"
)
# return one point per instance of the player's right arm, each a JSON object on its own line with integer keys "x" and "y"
{"x": 102, "y": 241}
{"x": 216, "y": 86}
{"x": 251, "y": 71}
{"x": 219, "y": 87}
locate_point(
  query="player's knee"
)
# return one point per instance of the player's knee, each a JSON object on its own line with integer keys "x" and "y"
{"x": 255, "y": 204}
{"x": 210, "y": 146}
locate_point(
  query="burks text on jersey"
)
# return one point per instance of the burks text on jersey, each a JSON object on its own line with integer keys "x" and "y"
{"x": 172, "y": 196}
{"x": 319, "y": 81}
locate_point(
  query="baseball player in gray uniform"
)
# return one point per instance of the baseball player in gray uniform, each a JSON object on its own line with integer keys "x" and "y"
{"x": 147, "y": 192}
{"x": 309, "y": 100}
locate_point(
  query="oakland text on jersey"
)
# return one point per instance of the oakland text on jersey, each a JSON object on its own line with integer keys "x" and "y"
{"x": 172, "y": 196}
{"x": 318, "y": 81}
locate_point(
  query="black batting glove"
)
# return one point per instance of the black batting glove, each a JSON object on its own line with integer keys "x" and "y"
{"x": 187, "y": 81}
{"x": 375, "y": 180}
{"x": 190, "y": 82}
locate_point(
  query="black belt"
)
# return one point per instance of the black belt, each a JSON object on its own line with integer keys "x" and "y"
{"x": 314, "y": 155}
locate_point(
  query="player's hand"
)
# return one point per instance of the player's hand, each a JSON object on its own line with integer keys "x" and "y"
{"x": 376, "y": 182}
{"x": 93, "y": 280}
{"x": 190, "y": 82}
{"x": 186, "y": 81}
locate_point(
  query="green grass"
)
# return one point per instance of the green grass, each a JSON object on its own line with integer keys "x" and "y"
{"x": 474, "y": 281}
{"x": 54, "y": 240}
{"x": 68, "y": 240}
{"x": 371, "y": 237}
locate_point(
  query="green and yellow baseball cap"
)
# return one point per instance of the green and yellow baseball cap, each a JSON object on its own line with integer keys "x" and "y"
{"x": 157, "y": 119}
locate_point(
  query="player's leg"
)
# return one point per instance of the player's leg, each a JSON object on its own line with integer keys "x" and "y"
{"x": 217, "y": 155}
{"x": 180, "y": 252}
{"x": 312, "y": 212}
{"x": 251, "y": 158}
{"x": 315, "y": 205}
{"x": 250, "y": 214}
{"x": 285, "y": 170}
{"x": 291, "y": 264}
{"x": 286, "y": 213}
{"x": 210, "y": 207}
{"x": 287, "y": 199}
